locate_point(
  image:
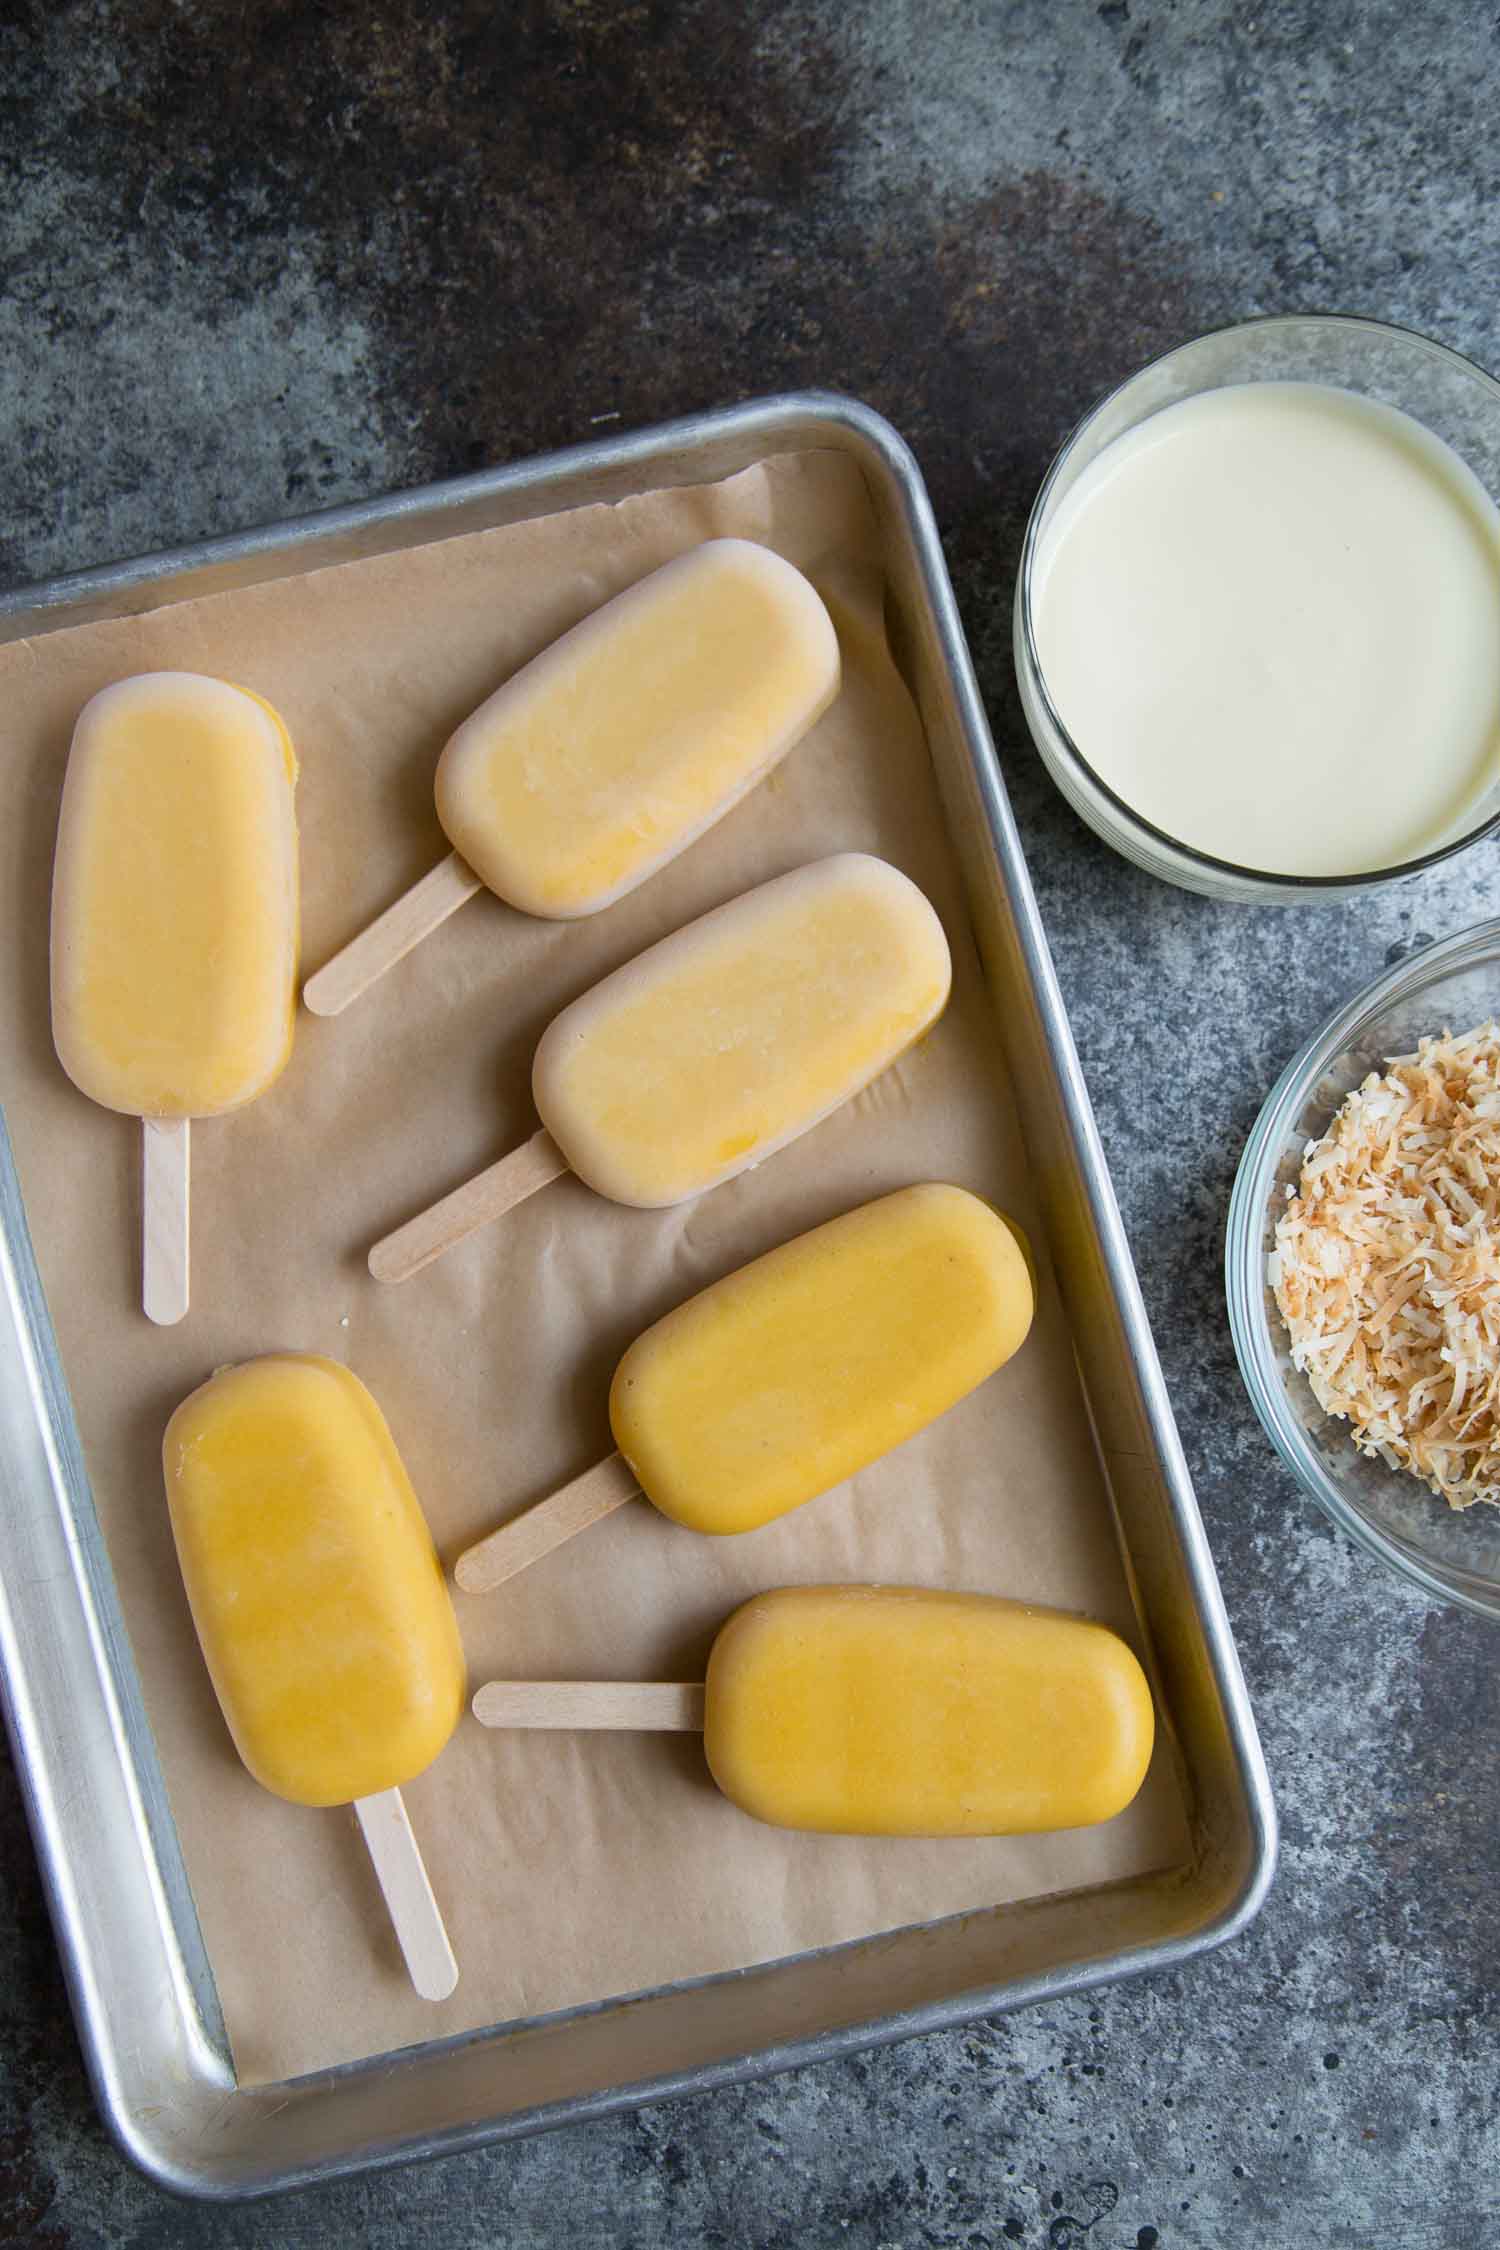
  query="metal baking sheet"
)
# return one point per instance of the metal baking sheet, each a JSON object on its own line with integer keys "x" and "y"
{"x": 140, "y": 1982}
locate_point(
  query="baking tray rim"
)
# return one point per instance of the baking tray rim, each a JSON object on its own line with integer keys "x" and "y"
{"x": 769, "y": 423}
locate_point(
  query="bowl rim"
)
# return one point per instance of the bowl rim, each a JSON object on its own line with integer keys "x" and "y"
{"x": 1244, "y": 1271}
{"x": 1262, "y": 880}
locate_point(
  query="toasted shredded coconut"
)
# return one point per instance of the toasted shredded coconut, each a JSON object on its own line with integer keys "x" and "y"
{"x": 1387, "y": 1265}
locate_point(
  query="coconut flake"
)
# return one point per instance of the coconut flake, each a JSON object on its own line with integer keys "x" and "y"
{"x": 1386, "y": 1265}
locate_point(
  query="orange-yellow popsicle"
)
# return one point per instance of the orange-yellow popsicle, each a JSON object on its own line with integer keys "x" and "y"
{"x": 792, "y": 1374}
{"x": 320, "y": 1608}
{"x": 891, "y": 1711}
{"x": 314, "y": 1586}
{"x": 894, "y": 1711}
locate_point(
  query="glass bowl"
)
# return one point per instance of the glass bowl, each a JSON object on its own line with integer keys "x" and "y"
{"x": 1447, "y": 393}
{"x": 1452, "y": 986}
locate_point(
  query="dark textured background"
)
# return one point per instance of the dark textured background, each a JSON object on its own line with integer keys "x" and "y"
{"x": 253, "y": 260}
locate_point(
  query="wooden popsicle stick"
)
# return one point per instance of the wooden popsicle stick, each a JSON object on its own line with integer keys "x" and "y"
{"x": 164, "y": 1218}
{"x": 545, "y": 1525}
{"x": 403, "y": 1881}
{"x": 633, "y": 1706}
{"x": 391, "y": 936}
{"x": 398, "y": 1256}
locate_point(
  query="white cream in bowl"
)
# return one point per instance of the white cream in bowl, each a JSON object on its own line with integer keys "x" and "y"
{"x": 1269, "y": 619}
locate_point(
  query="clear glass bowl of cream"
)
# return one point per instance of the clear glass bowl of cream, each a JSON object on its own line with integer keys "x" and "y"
{"x": 1453, "y": 986}
{"x": 1257, "y": 627}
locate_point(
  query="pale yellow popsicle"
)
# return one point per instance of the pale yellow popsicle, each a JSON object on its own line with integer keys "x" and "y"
{"x": 791, "y": 1375}
{"x": 174, "y": 898}
{"x": 891, "y": 1711}
{"x": 320, "y": 1606}
{"x": 616, "y": 747}
{"x": 174, "y": 924}
{"x": 630, "y": 736}
{"x": 716, "y": 1047}
{"x": 730, "y": 1038}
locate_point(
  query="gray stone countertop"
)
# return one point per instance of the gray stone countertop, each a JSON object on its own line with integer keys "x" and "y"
{"x": 255, "y": 261}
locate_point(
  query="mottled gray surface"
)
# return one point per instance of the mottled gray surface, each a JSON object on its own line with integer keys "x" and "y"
{"x": 256, "y": 260}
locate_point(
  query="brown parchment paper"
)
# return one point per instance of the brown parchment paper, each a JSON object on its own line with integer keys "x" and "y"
{"x": 570, "y": 1868}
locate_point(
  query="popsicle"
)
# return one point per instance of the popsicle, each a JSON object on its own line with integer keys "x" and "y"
{"x": 891, "y": 1711}
{"x": 615, "y": 748}
{"x": 785, "y": 1378}
{"x": 174, "y": 925}
{"x": 320, "y": 1607}
{"x": 714, "y": 1048}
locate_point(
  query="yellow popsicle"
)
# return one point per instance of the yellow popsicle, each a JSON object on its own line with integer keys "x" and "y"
{"x": 174, "y": 925}
{"x": 318, "y": 1598}
{"x": 174, "y": 898}
{"x": 730, "y": 1038}
{"x": 714, "y": 1048}
{"x": 625, "y": 740}
{"x": 792, "y": 1374}
{"x": 893, "y": 1711}
{"x": 890, "y": 1711}
{"x": 615, "y": 748}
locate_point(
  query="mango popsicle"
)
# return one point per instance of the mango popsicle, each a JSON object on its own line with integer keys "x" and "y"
{"x": 792, "y": 1374}
{"x": 891, "y": 1711}
{"x": 174, "y": 924}
{"x": 715, "y": 1048}
{"x": 615, "y": 748}
{"x": 320, "y": 1607}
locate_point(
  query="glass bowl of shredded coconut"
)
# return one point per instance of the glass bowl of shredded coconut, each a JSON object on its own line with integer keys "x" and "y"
{"x": 1363, "y": 1267}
